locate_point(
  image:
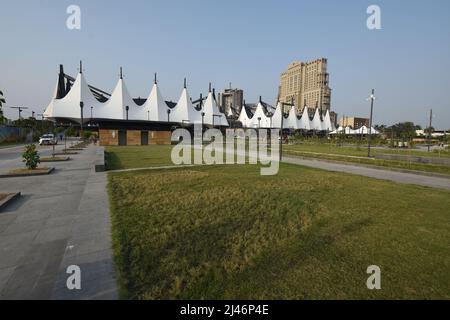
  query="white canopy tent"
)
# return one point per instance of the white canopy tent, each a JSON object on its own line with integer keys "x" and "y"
{"x": 316, "y": 123}
{"x": 349, "y": 131}
{"x": 259, "y": 119}
{"x": 305, "y": 123}
{"x": 213, "y": 116}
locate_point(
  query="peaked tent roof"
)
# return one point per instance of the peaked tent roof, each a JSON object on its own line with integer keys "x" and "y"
{"x": 69, "y": 106}
{"x": 263, "y": 121}
{"x": 212, "y": 111}
{"x": 243, "y": 117}
{"x": 327, "y": 125}
{"x": 276, "y": 117}
{"x": 304, "y": 122}
{"x": 184, "y": 111}
{"x": 292, "y": 121}
{"x": 316, "y": 123}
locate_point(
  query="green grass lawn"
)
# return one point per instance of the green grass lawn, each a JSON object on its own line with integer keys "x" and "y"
{"x": 226, "y": 232}
{"x": 360, "y": 150}
{"x": 126, "y": 157}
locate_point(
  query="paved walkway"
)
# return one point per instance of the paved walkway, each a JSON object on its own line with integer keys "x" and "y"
{"x": 400, "y": 177}
{"x": 396, "y": 176}
{"x": 61, "y": 219}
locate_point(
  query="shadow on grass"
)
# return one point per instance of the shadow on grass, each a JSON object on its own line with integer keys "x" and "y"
{"x": 112, "y": 161}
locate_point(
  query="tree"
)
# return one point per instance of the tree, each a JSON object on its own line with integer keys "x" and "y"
{"x": 31, "y": 157}
{"x": 403, "y": 130}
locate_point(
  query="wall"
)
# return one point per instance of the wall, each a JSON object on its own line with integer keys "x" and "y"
{"x": 133, "y": 137}
{"x": 11, "y": 134}
{"x": 108, "y": 137}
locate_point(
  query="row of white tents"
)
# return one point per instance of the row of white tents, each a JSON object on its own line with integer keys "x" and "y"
{"x": 261, "y": 120}
{"x": 120, "y": 106}
{"x": 360, "y": 131}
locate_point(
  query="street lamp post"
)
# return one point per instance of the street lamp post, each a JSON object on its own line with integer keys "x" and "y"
{"x": 127, "y": 108}
{"x": 168, "y": 115}
{"x": 81, "y": 115}
{"x": 203, "y": 121}
{"x": 281, "y": 131}
{"x": 429, "y": 130}
{"x": 371, "y": 98}
{"x": 92, "y": 108}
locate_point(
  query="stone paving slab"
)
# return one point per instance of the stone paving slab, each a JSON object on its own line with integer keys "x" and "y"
{"x": 60, "y": 220}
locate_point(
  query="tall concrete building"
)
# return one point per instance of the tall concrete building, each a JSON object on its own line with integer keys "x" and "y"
{"x": 306, "y": 84}
{"x": 231, "y": 99}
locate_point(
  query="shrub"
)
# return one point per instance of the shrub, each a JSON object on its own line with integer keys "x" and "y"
{"x": 31, "y": 157}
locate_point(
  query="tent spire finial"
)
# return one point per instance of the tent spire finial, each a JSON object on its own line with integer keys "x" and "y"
{"x": 81, "y": 66}
{"x": 155, "y": 79}
{"x": 209, "y": 87}
{"x": 185, "y": 83}
{"x": 121, "y": 75}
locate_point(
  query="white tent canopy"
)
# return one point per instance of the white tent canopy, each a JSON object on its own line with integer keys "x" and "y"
{"x": 156, "y": 109}
{"x": 115, "y": 108}
{"x": 212, "y": 114}
{"x": 349, "y": 131}
{"x": 259, "y": 119}
{"x": 305, "y": 123}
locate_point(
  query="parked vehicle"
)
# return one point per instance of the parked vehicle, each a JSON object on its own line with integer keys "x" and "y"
{"x": 48, "y": 139}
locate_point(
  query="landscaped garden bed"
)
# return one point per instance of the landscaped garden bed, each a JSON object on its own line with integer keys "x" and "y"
{"x": 24, "y": 172}
{"x": 54, "y": 159}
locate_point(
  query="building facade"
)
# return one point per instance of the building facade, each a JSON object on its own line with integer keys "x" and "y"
{"x": 231, "y": 99}
{"x": 306, "y": 84}
{"x": 354, "y": 122}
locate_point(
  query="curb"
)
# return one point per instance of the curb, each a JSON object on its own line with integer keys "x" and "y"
{"x": 9, "y": 198}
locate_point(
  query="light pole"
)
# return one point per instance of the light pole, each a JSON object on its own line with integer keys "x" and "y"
{"x": 281, "y": 131}
{"x": 429, "y": 130}
{"x": 92, "y": 108}
{"x": 168, "y": 115}
{"x": 81, "y": 111}
{"x": 371, "y": 98}
{"x": 203, "y": 117}
{"x": 127, "y": 108}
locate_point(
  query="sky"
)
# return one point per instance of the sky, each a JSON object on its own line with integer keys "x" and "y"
{"x": 248, "y": 43}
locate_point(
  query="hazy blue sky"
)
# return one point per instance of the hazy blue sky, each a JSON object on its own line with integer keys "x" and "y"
{"x": 248, "y": 43}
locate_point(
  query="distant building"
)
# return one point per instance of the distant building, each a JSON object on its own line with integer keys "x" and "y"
{"x": 306, "y": 84}
{"x": 354, "y": 122}
{"x": 230, "y": 101}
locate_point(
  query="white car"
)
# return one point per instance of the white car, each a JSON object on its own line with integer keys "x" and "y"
{"x": 47, "y": 139}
